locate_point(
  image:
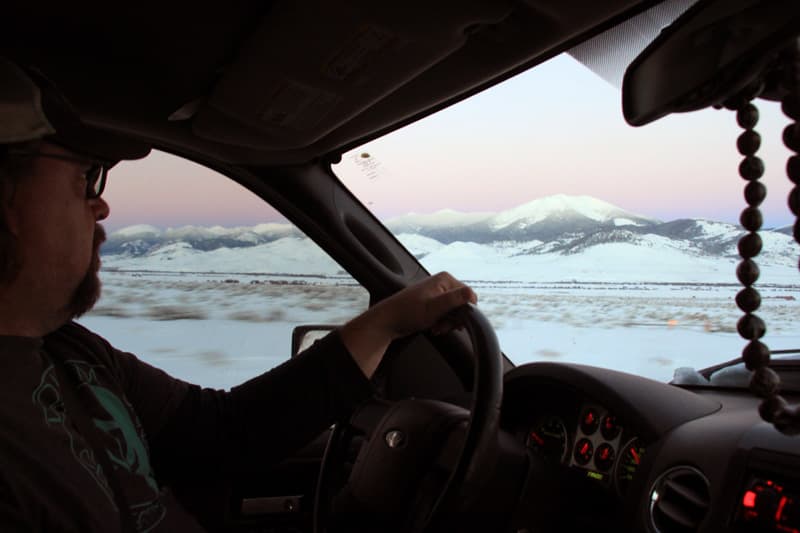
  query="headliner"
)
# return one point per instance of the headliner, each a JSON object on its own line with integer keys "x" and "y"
{"x": 279, "y": 83}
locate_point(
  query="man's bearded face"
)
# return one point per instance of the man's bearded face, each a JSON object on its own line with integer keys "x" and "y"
{"x": 88, "y": 291}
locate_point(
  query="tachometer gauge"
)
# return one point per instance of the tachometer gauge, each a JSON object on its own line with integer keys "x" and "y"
{"x": 629, "y": 458}
{"x": 549, "y": 438}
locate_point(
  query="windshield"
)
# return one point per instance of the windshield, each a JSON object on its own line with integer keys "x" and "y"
{"x": 587, "y": 240}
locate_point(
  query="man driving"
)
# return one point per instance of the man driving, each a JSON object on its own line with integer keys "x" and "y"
{"x": 90, "y": 434}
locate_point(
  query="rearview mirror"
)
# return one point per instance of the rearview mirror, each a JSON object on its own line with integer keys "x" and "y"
{"x": 305, "y": 336}
{"x": 709, "y": 54}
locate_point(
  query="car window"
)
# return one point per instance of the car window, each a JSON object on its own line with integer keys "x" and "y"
{"x": 203, "y": 279}
{"x": 578, "y": 231}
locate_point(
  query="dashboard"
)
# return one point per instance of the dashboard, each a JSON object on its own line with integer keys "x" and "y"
{"x": 613, "y": 451}
{"x": 591, "y": 439}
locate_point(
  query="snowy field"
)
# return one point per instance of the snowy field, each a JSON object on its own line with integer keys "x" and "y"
{"x": 220, "y": 329}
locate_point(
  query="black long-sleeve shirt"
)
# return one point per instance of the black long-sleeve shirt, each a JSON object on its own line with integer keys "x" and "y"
{"x": 50, "y": 479}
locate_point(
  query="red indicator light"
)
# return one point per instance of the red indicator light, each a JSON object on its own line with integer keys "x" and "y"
{"x": 779, "y": 512}
{"x": 749, "y": 499}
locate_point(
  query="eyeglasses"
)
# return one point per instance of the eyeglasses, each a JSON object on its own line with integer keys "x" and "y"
{"x": 96, "y": 175}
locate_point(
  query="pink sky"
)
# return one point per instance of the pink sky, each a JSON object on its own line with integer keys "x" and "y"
{"x": 163, "y": 190}
{"x": 557, "y": 129}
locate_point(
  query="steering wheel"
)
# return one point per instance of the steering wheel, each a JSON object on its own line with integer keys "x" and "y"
{"x": 411, "y": 465}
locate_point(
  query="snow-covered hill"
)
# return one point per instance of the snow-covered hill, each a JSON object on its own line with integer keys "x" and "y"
{"x": 542, "y": 219}
{"x": 142, "y": 239}
{"x": 555, "y": 238}
{"x": 567, "y": 209}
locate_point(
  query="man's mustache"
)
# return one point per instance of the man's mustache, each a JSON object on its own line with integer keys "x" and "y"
{"x": 99, "y": 239}
{"x": 99, "y": 236}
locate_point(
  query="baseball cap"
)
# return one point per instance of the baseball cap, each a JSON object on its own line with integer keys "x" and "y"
{"x": 31, "y": 107}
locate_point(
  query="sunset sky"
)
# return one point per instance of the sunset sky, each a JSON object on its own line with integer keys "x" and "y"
{"x": 555, "y": 129}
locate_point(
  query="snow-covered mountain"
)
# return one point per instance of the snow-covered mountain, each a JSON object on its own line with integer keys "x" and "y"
{"x": 544, "y": 219}
{"x": 142, "y": 239}
{"x": 568, "y": 236}
{"x": 568, "y": 210}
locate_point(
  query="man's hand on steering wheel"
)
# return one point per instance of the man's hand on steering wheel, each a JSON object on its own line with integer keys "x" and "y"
{"x": 431, "y": 304}
{"x": 417, "y": 458}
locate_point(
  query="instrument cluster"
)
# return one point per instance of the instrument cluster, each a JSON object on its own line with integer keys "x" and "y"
{"x": 595, "y": 441}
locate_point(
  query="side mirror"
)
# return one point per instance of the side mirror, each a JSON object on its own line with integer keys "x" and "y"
{"x": 710, "y": 53}
{"x": 305, "y": 336}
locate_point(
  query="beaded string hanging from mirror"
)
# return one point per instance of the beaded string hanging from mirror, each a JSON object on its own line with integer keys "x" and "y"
{"x": 756, "y": 355}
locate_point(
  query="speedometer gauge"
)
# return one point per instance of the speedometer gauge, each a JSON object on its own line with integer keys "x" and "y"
{"x": 549, "y": 438}
{"x": 629, "y": 458}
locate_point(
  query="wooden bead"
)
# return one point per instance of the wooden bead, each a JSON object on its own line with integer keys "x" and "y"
{"x": 748, "y": 299}
{"x": 748, "y": 142}
{"x": 751, "y": 327}
{"x": 793, "y": 169}
{"x": 791, "y": 137}
{"x": 754, "y": 193}
{"x": 747, "y": 117}
{"x": 755, "y": 355}
{"x": 751, "y": 219}
{"x": 771, "y": 407}
{"x": 765, "y": 382}
{"x": 751, "y": 168}
{"x": 794, "y": 201}
{"x": 750, "y": 245}
{"x": 747, "y": 272}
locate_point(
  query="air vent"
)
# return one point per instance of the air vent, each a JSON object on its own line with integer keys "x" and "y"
{"x": 679, "y": 500}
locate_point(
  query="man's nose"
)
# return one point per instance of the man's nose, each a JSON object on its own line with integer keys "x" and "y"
{"x": 100, "y": 209}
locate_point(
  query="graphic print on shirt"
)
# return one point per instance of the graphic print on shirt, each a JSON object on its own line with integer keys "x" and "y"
{"x": 126, "y": 448}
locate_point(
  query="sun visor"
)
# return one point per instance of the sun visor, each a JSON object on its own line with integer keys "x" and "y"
{"x": 300, "y": 77}
{"x": 76, "y": 135}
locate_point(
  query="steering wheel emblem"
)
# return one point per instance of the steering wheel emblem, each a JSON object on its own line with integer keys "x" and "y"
{"x": 395, "y": 438}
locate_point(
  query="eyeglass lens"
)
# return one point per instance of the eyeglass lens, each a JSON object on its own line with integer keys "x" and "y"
{"x": 95, "y": 181}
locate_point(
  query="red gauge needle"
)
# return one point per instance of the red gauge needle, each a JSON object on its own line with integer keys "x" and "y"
{"x": 539, "y": 440}
{"x": 635, "y": 455}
